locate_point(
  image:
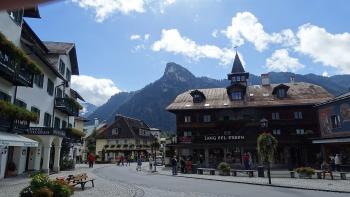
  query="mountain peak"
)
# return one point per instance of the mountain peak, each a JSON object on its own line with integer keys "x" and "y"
{"x": 173, "y": 70}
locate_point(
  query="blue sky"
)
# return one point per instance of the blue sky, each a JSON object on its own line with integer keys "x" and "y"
{"x": 123, "y": 45}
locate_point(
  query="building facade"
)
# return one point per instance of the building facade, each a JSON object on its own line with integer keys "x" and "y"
{"x": 47, "y": 94}
{"x": 334, "y": 120}
{"x": 220, "y": 124}
{"x": 126, "y": 137}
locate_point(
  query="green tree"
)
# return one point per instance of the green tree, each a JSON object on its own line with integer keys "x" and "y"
{"x": 266, "y": 145}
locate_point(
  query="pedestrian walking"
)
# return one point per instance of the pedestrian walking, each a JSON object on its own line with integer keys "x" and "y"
{"x": 337, "y": 162}
{"x": 174, "y": 165}
{"x": 139, "y": 164}
{"x": 91, "y": 160}
{"x": 128, "y": 160}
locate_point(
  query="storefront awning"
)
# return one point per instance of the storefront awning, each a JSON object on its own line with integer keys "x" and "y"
{"x": 333, "y": 140}
{"x": 10, "y": 139}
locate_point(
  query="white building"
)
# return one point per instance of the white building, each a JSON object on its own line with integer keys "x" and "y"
{"x": 47, "y": 94}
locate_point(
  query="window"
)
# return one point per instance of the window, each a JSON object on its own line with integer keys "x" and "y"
{"x": 62, "y": 67}
{"x": 64, "y": 124}
{"x": 5, "y": 97}
{"x": 47, "y": 120}
{"x": 20, "y": 103}
{"x": 227, "y": 132}
{"x": 335, "y": 121}
{"x": 68, "y": 74}
{"x": 115, "y": 131}
{"x": 300, "y": 131}
{"x": 281, "y": 93}
{"x": 187, "y": 118}
{"x": 276, "y": 132}
{"x": 69, "y": 125}
{"x": 238, "y": 78}
{"x": 57, "y": 123}
{"x": 298, "y": 115}
{"x": 275, "y": 116}
{"x": 187, "y": 133}
{"x": 116, "y": 141}
{"x": 59, "y": 93}
{"x": 39, "y": 80}
{"x": 242, "y": 78}
{"x": 50, "y": 87}
{"x": 206, "y": 118}
{"x": 236, "y": 95}
{"x": 37, "y": 111}
{"x": 16, "y": 16}
{"x": 234, "y": 78}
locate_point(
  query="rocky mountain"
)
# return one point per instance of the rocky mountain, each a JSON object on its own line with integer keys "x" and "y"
{"x": 88, "y": 109}
{"x": 149, "y": 103}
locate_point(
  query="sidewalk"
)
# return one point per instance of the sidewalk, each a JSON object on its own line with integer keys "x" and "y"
{"x": 311, "y": 184}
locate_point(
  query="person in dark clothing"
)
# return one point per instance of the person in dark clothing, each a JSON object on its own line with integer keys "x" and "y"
{"x": 182, "y": 165}
{"x": 174, "y": 165}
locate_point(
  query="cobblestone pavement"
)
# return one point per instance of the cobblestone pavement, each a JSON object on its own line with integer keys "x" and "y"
{"x": 117, "y": 181}
{"x": 317, "y": 184}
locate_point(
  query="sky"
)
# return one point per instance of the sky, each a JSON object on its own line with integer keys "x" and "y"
{"x": 123, "y": 45}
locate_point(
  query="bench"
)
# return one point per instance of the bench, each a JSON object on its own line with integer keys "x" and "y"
{"x": 320, "y": 172}
{"x": 79, "y": 179}
{"x": 249, "y": 172}
{"x": 210, "y": 170}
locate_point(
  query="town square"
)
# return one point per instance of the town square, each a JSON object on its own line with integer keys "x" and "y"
{"x": 174, "y": 98}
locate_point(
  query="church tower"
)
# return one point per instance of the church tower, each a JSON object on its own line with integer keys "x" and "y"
{"x": 238, "y": 78}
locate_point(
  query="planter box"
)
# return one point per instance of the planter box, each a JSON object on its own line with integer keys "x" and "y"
{"x": 304, "y": 176}
{"x": 223, "y": 173}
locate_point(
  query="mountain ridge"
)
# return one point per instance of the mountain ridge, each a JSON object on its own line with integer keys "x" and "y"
{"x": 149, "y": 102}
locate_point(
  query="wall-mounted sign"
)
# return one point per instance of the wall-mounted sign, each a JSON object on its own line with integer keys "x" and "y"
{"x": 223, "y": 137}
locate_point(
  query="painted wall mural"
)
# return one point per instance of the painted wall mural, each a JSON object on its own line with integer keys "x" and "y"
{"x": 335, "y": 119}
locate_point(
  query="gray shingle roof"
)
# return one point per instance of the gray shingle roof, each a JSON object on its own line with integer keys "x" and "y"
{"x": 257, "y": 96}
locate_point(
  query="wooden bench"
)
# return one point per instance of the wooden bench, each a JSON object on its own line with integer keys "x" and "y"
{"x": 249, "y": 172}
{"x": 320, "y": 172}
{"x": 210, "y": 170}
{"x": 79, "y": 179}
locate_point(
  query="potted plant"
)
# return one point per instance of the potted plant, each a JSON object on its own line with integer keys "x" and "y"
{"x": 224, "y": 169}
{"x": 305, "y": 172}
{"x": 118, "y": 145}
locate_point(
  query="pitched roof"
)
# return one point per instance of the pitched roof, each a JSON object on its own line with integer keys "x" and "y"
{"x": 335, "y": 99}
{"x": 128, "y": 128}
{"x": 257, "y": 96}
{"x": 62, "y": 48}
{"x": 237, "y": 65}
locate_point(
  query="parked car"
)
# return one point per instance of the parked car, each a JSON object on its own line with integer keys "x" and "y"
{"x": 159, "y": 161}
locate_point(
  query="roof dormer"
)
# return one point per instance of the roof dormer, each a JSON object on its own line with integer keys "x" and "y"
{"x": 197, "y": 96}
{"x": 280, "y": 91}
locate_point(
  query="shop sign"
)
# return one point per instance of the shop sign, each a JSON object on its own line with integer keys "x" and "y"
{"x": 184, "y": 139}
{"x": 223, "y": 137}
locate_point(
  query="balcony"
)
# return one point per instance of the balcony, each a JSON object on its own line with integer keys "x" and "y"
{"x": 68, "y": 106}
{"x": 15, "y": 73}
{"x": 19, "y": 126}
{"x": 45, "y": 131}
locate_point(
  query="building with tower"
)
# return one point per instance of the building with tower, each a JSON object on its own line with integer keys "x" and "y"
{"x": 221, "y": 124}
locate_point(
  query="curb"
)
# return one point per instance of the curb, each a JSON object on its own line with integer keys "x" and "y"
{"x": 259, "y": 184}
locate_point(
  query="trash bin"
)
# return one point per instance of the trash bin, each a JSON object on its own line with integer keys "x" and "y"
{"x": 261, "y": 171}
{"x": 194, "y": 168}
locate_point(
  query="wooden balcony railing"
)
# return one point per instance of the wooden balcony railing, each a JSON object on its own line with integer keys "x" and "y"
{"x": 66, "y": 105}
{"x": 45, "y": 131}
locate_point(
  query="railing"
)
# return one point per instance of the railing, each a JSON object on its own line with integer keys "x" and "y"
{"x": 45, "y": 131}
{"x": 19, "y": 126}
{"x": 16, "y": 74}
{"x": 66, "y": 106}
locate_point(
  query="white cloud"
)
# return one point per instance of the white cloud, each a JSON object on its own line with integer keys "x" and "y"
{"x": 172, "y": 41}
{"x": 135, "y": 37}
{"x": 246, "y": 27}
{"x": 329, "y": 49}
{"x": 215, "y": 33}
{"x": 281, "y": 61}
{"x": 106, "y": 8}
{"x": 93, "y": 90}
{"x": 146, "y": 37}
{"x": 325, "y": 74}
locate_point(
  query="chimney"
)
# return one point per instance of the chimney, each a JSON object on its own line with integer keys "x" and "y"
{"x": 265, "y": 80}
{"x": 96, "y": 122}
{"x": 292, "y": 79}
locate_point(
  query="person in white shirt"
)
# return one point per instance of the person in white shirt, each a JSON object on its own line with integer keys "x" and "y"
{"x": 337, "y": 162}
